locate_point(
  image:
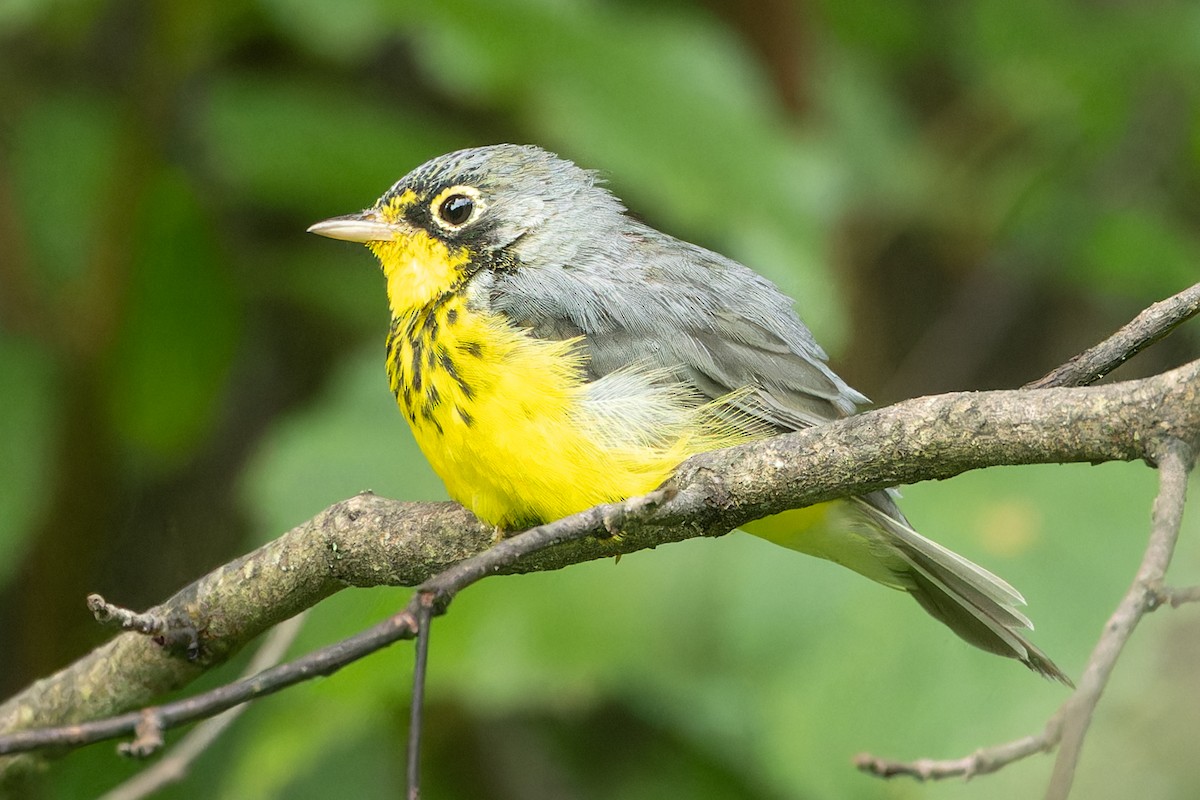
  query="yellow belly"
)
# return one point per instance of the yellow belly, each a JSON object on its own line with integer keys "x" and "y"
{"x": 515, "y": 431}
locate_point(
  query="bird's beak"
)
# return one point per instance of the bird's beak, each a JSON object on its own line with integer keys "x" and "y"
{"x": 365, "y": 226}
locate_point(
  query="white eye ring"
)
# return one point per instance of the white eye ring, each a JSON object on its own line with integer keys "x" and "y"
{"x": 456, "y": 207}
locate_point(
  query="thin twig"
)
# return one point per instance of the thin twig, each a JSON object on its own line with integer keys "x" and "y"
{"x": 107, "y": 613}
{"x": 1069, "y": 723}
{"x": 175, "y": 632}
{"x": 981, "y": 762}
{"x": 724, "y": 489}
{"x": 424, "y": 626}
{"x": 434, "y": 594}
{"x": 1176, "y": 597}
{"x": 174, "y": 767}
{"x": 1174, "y": 461}
{"x": 1148, "y": 327}
{"x": 320, "y": 662}
{"x": 1073, "y": 717}
{"x": 926, "y": 438}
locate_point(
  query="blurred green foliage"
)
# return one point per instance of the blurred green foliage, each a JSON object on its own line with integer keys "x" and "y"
{"x": 957, "y": 195}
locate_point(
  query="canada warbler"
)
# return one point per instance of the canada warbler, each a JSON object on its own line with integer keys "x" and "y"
{"x": 552, "y": 353}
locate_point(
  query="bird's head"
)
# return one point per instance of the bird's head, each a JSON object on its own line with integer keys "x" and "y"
{"x": 502, "y": 207}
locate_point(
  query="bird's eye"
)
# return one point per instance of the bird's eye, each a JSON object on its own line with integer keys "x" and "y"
{"x": 456, "y": 209}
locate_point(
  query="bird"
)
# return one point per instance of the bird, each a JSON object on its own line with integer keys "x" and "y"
{"x": 552, "y": 353}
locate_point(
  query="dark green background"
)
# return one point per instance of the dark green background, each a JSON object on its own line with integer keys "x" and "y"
{"x": 958, "y": 195}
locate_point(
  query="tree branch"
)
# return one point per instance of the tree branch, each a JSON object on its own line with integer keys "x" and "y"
{"x": 1148, "y": 327}
{"x": 1175, "y": 458}
{"x": 431, "y": 597}
{"x": 1070, "y": 722}
{"x": 175, "y": 766}
{"x": 1176, "y": 597}
{"x": 369, "y": 541}
{"x": 1174, "y": 462}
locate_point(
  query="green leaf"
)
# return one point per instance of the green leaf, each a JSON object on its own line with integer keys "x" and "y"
{"x": 355, "y": 29}
{"x": 1138, "y": 253}
{"x": 29, "y": 396}
{"x": 310, "y": 149}
{"x": 176, "y": 340}
{"x": 63, "y": 161}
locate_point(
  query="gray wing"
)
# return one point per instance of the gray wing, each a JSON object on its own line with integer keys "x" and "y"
{"x": 715, "y": 324}
{"x": 720, "y": 327}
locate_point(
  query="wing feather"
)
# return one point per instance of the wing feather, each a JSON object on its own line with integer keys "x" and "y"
{"x": 695, "y": 319}
{"x": 709, "y": 322}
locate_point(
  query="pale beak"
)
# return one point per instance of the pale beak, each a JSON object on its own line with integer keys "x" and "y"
{"x": 365, "y": 226}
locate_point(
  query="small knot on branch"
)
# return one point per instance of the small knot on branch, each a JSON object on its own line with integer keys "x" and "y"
{"x": 177, "y": 634}
{"x": 107, "y": 613}
{"x": 148, "y": 736}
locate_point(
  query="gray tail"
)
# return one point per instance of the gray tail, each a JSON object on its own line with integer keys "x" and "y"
{"x": 977, "y": 605}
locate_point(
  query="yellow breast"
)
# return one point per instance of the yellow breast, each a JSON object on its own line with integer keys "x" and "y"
{"x": 515, "y": 431}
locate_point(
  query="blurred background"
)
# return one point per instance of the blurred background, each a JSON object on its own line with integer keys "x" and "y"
{"x": 959, "y": 196}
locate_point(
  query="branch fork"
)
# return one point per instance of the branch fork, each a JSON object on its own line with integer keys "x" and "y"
{"x": 442, "y": 549}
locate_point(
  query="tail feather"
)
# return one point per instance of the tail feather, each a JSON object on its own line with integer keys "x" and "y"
{"x": 977, "y": 605}
{"x": 871, "y": 536}
{"x": 992, "y": 586}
